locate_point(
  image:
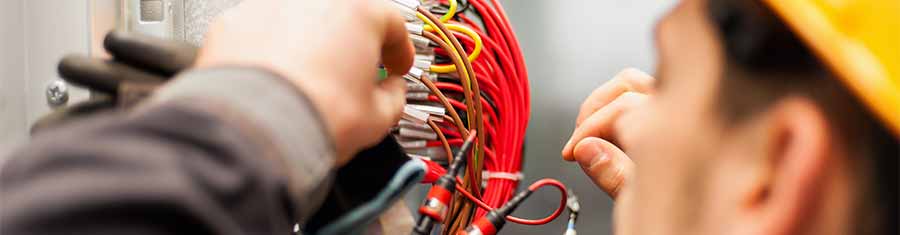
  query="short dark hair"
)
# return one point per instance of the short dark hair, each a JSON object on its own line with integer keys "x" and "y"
{"x": 765, "y": 62}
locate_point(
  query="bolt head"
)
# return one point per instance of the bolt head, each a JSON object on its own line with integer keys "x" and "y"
{"x": 57, "y": 93}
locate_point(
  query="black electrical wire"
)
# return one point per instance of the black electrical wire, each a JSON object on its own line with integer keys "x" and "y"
{"x": 443, "y": 9}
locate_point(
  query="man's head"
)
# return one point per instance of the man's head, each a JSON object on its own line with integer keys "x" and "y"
{"x": 749, "y": 133}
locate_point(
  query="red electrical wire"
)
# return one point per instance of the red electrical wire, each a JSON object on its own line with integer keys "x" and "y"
{"x": 501, "y": 74}
{"x": 534, "y": 186}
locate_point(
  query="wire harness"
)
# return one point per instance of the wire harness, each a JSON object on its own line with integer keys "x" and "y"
{"x": 469, "y": 82}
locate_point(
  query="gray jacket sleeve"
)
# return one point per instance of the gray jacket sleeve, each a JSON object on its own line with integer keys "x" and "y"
{"x": 216, "y": 151}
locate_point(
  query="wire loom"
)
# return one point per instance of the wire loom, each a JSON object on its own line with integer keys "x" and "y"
{"x": 471, "y": 75}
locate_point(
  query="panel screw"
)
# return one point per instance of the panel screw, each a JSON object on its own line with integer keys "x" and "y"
{"x": 57, "y": 93}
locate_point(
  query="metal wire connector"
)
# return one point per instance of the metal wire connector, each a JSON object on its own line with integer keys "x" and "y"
{"x": 417, "y": 134}
{"x": 433, "y": 110}
{"x": 414, "y": 115}
{"x": 422, "y": 44}
{"x": 415, "y": 28}
{"x": 414, "y": 74}
{"x": 416, "y": 86}
{"x": 574, "y": 207}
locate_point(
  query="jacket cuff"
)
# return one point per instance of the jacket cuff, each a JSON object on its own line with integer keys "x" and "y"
{"x": 280, "y": 112}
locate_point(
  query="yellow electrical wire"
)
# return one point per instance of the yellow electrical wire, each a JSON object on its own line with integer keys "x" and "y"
{"x": 450, "y": 12}
{"x": 453, "y": 52}
{"x": 466, "y": 77}
{"x": 479, "y": 45}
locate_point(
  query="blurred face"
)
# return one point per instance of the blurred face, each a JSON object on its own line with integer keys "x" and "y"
{"x": 677, "y": 140}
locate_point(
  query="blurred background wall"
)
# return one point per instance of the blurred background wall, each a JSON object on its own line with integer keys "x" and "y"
{"x": 571, "y": 46}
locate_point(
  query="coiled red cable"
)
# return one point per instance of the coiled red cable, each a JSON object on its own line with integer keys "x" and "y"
{"x": 534, "y": 186}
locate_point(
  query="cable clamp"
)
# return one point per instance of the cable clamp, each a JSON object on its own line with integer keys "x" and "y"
{"x": 502, "y": 175}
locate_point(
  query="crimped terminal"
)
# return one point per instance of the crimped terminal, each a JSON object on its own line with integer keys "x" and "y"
{"x": 420, "y": 43}
{"x": 417, "y": 134}
{"x": 416, "y": 86}
{"x": 415, "y": 28}
{"x": 413, "y": 125}
{"x": 415, "y": 115}
{"x": 425, "y": 57}
{"x": 424, "y": 65}
{"x": 432, "y": 76}
{"x": 417, "y": 96}
{"x": 408, "y": 14}
{"x": 414, "y": 73}
{"x": 435, "y": 153}
{"x": 433, "y": 110}
{"x": 411, "y": 143}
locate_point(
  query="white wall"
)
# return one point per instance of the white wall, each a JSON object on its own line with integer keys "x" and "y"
{"x": 12, "y": 74}
{"x": 35, "y": 35}
{"x": 53, "y": 29}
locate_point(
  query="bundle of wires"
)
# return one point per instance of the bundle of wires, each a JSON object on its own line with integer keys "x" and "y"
{"x": 469, "y": 74}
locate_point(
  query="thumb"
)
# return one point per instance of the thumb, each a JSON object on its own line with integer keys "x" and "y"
{"x": 604, "y": 163}
{"x": 389, "y": 100}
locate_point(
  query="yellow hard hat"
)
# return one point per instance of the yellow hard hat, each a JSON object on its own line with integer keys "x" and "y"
{"x": 859, "y": 40}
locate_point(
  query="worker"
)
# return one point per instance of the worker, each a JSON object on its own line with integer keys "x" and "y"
{"x": 765, "y": 117}
{"x": 246, "y": 142}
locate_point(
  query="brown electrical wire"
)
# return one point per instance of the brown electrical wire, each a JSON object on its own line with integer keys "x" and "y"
{"x": 437, "y": 92}
{"x": 461, "y": 213}
{"x": 475, "y": 90}
{"x": 465, "y": 210}
{"x": 428, "y": 83}
{"x": 443, "y": 139}
{"x": 447, "y": 117}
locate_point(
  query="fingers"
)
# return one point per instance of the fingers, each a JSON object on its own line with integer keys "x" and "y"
{"x": 601, "y": 123}
{"x": 605, "y": 164}
{"x": 629, "y": 79}
{"x": 397, "y": 52}
{"x": 78, "y": 110}
{"x": 154, "y": 54}
{"x": 99, "y": 75}
{"x": 389, "y": 101}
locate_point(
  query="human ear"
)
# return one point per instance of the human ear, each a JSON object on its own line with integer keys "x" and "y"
{"x": 797, "y": 152}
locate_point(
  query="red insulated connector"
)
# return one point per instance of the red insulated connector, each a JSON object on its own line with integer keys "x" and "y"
{"x": 434, "y": 172}
{"x": 481, "y": 226}
{"x": 436, "y": 203}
